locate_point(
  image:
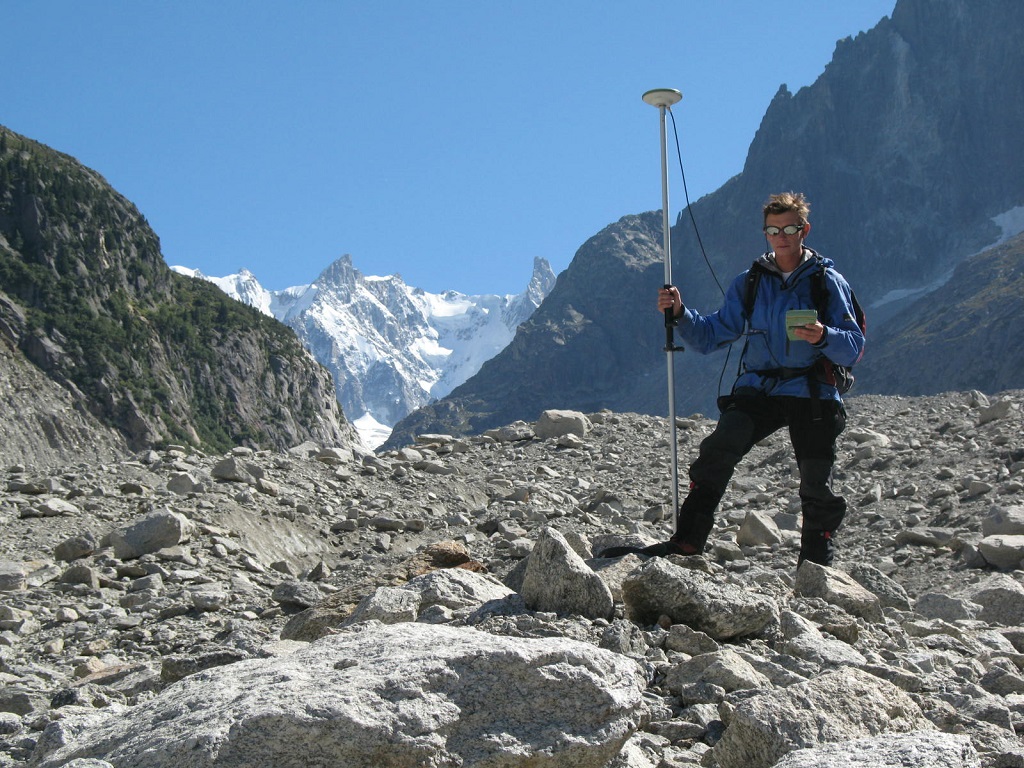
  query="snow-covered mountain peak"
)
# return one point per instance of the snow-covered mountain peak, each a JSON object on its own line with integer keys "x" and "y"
{"x": 391, "y": 347}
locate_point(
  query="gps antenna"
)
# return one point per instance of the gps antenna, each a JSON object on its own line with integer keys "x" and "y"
{"x": 663, "y": 99}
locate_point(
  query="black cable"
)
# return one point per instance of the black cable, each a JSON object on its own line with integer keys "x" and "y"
{"x": 689, "y": 207}
{"x": 696, "y": 232}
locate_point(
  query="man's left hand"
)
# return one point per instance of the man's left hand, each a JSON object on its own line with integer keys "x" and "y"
{"x": 812, "y": 332}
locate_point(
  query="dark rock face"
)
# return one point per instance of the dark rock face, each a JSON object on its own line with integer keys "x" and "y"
{"x": 965, "y": 335}
{"x": 86, "y": 296}
{"x": 908, "y": 146}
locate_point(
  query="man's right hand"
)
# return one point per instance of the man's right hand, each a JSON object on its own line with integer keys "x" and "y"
{"x": 668, "y": 298}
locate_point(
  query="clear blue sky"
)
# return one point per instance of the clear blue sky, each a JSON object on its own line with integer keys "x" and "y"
{"x": 450, "y": 141}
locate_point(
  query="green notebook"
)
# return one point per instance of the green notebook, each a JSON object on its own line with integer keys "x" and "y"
{"x": 795, "y": 317}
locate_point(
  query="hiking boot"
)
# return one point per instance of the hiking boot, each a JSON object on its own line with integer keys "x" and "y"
{"x": 818, "y": 547}
{"x": 662, "y": 549}
{"x": 670, "y": 547}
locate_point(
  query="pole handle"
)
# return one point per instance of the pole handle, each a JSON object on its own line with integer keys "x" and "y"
{"x": 670, "y": 323}
{"x": 670, "y": 314}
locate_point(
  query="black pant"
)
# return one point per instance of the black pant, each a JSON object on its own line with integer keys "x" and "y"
{"x": 745, "y": 420}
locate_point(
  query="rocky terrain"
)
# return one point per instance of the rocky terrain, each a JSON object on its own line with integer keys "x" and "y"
{"x": 440, "y": 605}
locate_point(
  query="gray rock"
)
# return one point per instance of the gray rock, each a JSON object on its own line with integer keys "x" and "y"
{"x": 235, "y": 470}
{"x": 920, "y": 749}
{"x": 624, "y": 637}
{"x": 12, "y": 576}
{"x": 555, "y": 424}
{"x": 63, "y": 641}
{"x": 511, "y": 433}
{"x": 865, "y": 436}
{"x": 56, "y": 508}
{"x": 80, "y": 573}
{"x": 689, "y": 641}
{"x": 387, "y": 605}
{"x": 75, "y": 547}
{"x": 933, "y": 605}
{"x": 1004, "y": 551}
{"x": 838, "y": 588}
{"x": 889, "y": 592}
{"x": 183, "y": 483}
{"x": 835, "y": 707}
{"x": 719, "y": 609}
{"x": 1001, "y": 598}
{"x": 176, "y": 668}
{"x": 758, "y": 529}
{"x": 804, "y": 641}
{"x": 10, "y": 723}
{"x": 558, "y": 580}
{"x": 1004, "y": 521}
{"x": 614, "y": 571}
{"x": 20, "y": 700}
{"x": 396, "y": 695}
{"x": 151, "y": 533}
{"x": 302, "y": 594}
{"x": 207, "y": 600}
{"x": 927, "y": 537}
{"x": 457, "y": 589}
{"x": 998, "y": 410}
{"x": 724, "y": 668}
{"x": 335, "y": 455}
{"x": 436, "y": 468}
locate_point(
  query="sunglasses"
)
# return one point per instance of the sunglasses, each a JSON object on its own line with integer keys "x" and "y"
{"x": 789, "y": 229}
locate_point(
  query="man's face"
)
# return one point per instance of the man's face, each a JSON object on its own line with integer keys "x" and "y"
{"x": 788, "y": 248}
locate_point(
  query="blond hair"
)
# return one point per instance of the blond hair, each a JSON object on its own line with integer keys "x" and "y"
{"x": 784, "y": 202}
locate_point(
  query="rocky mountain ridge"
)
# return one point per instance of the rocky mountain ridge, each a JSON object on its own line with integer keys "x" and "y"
{"x": 441, "y": 605}
{"x": 86, "y": 297}
{"x": 390, "y": 347}
{"x": 912, "y": 126}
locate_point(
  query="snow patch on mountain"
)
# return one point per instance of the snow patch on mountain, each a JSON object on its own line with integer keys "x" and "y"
{"x": 1011, "y": 223}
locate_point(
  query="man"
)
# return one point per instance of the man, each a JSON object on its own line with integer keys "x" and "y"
{"x": 783, "y": 381}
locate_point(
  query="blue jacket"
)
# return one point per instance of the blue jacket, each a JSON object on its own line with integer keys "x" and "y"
{"x": 767, "y": 347}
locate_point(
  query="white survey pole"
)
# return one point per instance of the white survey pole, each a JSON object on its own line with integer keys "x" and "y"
{"x": 663, "y": 98}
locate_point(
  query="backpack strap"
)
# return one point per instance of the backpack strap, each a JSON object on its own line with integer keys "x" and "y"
{"x": 819, "y": 291}
{"x": 750, "y": 284}
{"x": 754, "y": 275}
{"x": 839, "y": 376}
